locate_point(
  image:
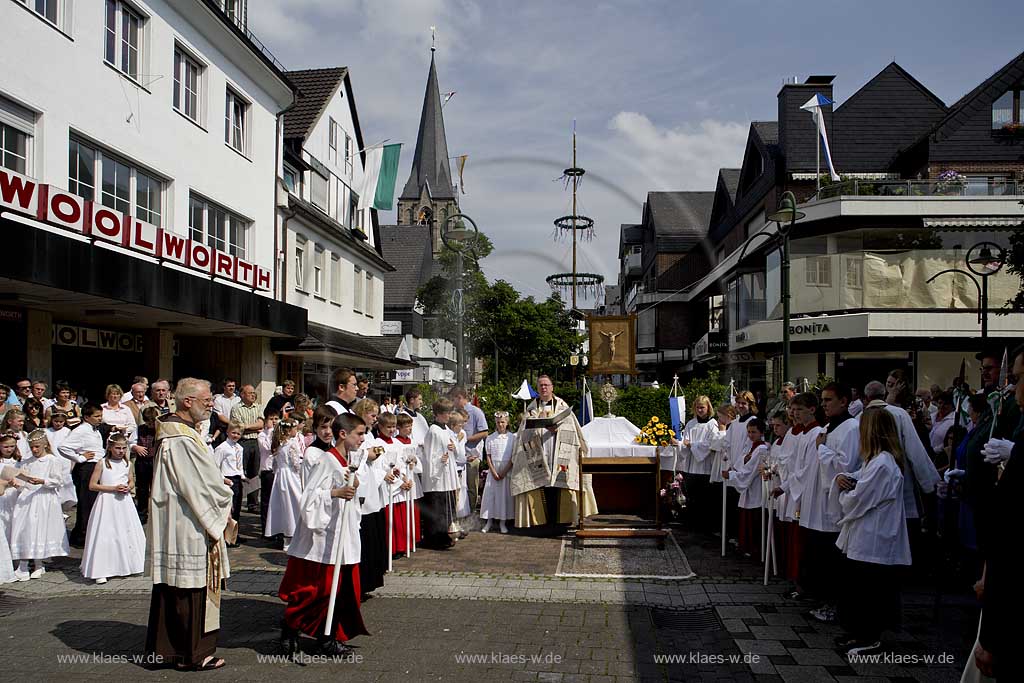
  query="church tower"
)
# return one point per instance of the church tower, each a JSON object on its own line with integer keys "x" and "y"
{"x": 429, "y": 196}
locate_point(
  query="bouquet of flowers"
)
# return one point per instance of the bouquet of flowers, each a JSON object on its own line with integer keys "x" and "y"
{"x": 950, "y": 182}
{"x": 655, "y": 433}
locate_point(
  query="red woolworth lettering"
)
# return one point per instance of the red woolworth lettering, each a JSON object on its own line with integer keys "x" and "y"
{"x": 263, "y": 279}
{"x": 68, "y": 210}
{"x": 173, "y": 247}
{"x": 224, "y": 265}
{"x": 246, "y": 273}
{"x": 17, "y": 193}
{"x": 110, "y": 226}
{"x": 200, "y": 256}
{"x": 144, "y": 237}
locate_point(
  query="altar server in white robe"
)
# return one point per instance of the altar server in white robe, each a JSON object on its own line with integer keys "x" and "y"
{"x": 439, "y": 478}
{"x": 329, "y": 519}
{"x": 115, "y": 544}
{"x": 695, "y": 446}
{"x": 283, "y": 512}
{"x": 744, "y": 474}
{"x": 497, "y": 502}
{"x": 803, "y": 484}
{"x": 786, "y": 530}
{"x": 412, "y": 464}
{"x": 873, "y": 534}
{"x": 456, "y": 424}
{"x": 39, "y": 532}
{"x": 720, "y": 460}
{"x": 837, "y": 450}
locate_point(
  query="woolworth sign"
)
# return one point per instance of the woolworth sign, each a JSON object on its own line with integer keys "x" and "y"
{"x": 62, "y": 209}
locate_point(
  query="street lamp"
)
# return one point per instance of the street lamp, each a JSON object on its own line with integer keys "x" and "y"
{"x": 984, "y": 259}
{"x": 459, "y": 239}
{"x": 786, "y": 216}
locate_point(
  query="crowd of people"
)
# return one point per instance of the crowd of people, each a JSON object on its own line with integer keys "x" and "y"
{"x": 865, "y": 488}
{"x": 346, "y": 480}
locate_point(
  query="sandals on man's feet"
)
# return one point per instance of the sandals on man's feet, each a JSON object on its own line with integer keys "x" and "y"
{"x": 209, "y": 664}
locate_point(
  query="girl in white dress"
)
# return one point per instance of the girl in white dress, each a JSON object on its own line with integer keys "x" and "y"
{"x": 115, "y": 544}
{"x": 56, "y": 431}
{"x": 283, "y": 513}
{"x": 39, "y": 532}
{"x": 496, "y": 502}
{"x": 6, "y": 561}
{"x": 10, "y": 456}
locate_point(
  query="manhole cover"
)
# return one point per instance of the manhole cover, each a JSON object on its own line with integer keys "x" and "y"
{"x": 689, "y": 621}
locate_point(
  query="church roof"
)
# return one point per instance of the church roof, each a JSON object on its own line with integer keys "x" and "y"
{"x": 430, "y": 161}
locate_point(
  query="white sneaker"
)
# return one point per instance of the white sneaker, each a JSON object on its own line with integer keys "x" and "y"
{"x": 504, "y": 529}
{"x": 486, "y": 528}
{"x": 37, "y": 573}
{"x": 100, "y": 582}
{"x": 864, "y": 648}
{"x": 22, "y": 576}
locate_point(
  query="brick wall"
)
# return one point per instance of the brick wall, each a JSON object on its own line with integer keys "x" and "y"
{"x": 968, "y": 167}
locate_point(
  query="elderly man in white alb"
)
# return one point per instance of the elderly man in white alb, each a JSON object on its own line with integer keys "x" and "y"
{"x": 546, "y": 465}
{"x": 190, "y": 509}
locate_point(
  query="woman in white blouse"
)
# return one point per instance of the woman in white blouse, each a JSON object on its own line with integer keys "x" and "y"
{"x": 872, "y": 534}
{"x": 118, "y": 415}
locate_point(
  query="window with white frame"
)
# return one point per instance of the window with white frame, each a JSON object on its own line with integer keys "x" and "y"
{"x": 357, "y": 289}
{"x": 854, "y": 277}
{"x": 319, "y": 191}
{"x": 368, "y": 309}
{"x": 818, "y": 271}
{"x": 122, "y": 38}
{"x": 17, "y": 132}
{"x": 187, "y": 77}
{"x": 217, "y": 227}
{"x": 353, "y": 212}
{"x": 236, "y": 111}
{"x": 300, "y": 263}
{"x": 318, "y": 270}
{"x": 47, "y": 9}
{"x": 335, "y": 278}
{"x": 96, "y": 174}
{"x": 349, "y": 153}
{"x": 332, "y": 140}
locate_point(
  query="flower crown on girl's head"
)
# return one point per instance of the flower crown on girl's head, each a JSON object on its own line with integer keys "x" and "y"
{"x": 501, "y": 414}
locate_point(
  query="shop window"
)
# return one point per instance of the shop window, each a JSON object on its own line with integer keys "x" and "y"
{"x": 122, "y": 186}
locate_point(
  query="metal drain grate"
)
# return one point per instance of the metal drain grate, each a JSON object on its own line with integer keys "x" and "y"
{"x": 687, "y": 621}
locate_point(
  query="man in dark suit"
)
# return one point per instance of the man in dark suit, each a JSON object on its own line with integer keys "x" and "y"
{"x": 998, "y": 650}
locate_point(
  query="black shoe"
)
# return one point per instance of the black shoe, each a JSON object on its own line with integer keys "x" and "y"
{"x": 289, "y": 639}
{"x": 333, "y": 648}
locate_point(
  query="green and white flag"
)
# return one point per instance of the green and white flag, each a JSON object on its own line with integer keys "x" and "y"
{"x": 378, "y": 191}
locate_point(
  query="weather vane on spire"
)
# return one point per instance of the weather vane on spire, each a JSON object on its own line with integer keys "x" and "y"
{"x": 433, "y": 38}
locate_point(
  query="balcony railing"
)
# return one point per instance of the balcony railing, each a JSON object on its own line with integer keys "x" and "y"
{"x": 964, "y": 187}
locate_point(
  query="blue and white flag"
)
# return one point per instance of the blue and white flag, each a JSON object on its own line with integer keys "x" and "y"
{"x": 677, "y": 413}
{"x": 526, "y": 392}
{"x": 814, "y": 106}
{"x": 586, "y": 405}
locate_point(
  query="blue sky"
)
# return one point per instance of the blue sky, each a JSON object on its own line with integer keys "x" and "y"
{"x": 662, "y": 92}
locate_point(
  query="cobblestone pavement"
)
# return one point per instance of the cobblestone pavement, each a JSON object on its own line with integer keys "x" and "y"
{"x": 495, "y": 597}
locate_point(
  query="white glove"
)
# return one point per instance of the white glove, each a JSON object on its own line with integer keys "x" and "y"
{"x": 997, "y": 451}
{"x": 954, "y": 473}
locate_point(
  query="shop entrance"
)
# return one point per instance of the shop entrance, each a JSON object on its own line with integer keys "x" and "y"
{"x": 856, "y": 369}
{"x": 89, "y": 371}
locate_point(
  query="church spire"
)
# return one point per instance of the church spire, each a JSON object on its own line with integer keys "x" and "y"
{"x": 430, "y": 167}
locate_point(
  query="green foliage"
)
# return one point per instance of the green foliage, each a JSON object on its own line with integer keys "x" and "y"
{"x": 638, "y": 404}
{"x": 495, "y": 397}
{"x": 429, "y": 396}
{"x": 707, "y": 386}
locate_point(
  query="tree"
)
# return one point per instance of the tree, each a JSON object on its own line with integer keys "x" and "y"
{"x": 1015, "y": 265}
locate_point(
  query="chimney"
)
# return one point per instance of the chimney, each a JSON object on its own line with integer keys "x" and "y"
{"x": 797, "y": 132}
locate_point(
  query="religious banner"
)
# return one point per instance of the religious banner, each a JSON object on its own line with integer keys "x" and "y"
{"x": 612, "y": 345}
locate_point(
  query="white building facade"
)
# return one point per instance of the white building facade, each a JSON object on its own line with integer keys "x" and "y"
{"x": 165, "y": 113}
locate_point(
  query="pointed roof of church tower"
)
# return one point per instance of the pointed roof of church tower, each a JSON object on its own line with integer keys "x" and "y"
{"x": 430, "y": 162}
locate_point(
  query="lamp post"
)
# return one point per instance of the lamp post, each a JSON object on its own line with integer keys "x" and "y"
{"x": 984, "y": 259}
{"x": 786, "y": 216}
{"x": 459, "y": 239}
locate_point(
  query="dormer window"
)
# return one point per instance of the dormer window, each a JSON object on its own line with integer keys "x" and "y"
{"x": 1006, "y": 111}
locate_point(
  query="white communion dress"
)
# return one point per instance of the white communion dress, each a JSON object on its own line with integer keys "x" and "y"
{"x": 115, "y": 544}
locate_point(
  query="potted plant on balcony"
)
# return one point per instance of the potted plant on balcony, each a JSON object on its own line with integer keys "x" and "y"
{"x": 1011, "y": 129}
{"x": 950, "y": 182}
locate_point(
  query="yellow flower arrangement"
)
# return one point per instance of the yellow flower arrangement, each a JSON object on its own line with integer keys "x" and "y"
{"x": 654, "y": 433}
